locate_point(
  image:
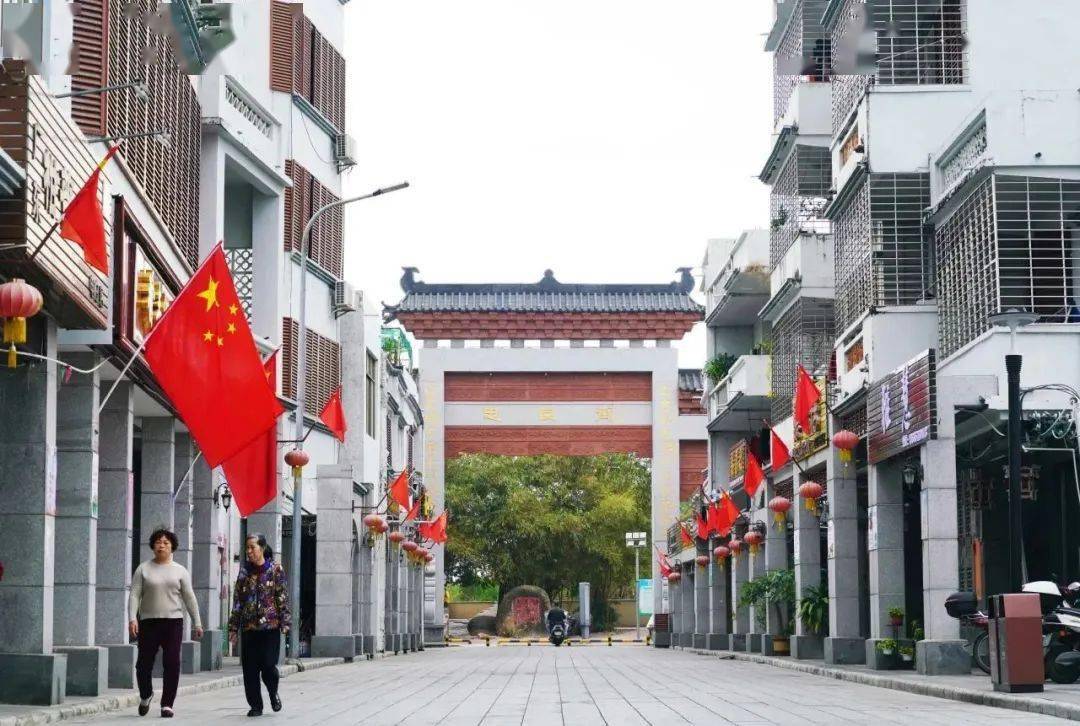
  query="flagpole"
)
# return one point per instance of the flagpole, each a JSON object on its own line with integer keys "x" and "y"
{"x": 127, "y": 366}
{"x": 180, "y": 484}
{"x": 301, "y": 380}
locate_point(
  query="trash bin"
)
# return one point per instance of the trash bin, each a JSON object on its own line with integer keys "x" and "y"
{"x": 1016, "y": 654}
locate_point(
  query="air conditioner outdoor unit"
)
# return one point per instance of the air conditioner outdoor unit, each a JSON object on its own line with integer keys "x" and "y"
{"x": 346, "y": 299}
{"x": 344, "y": 150}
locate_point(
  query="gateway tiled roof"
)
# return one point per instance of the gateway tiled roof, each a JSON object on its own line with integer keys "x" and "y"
{"x": 546, "y": 296}
{"x": 690, "y": 379}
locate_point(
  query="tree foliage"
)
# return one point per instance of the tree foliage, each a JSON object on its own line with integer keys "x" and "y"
{"x": 550, "y": 521}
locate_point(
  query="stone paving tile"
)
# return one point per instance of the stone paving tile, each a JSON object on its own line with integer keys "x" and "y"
{"x": 628, "y": 686}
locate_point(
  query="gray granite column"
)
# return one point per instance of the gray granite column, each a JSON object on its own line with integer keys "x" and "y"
{"x": 686, "y": 584}
{"x": 805, "y": 643}
{"x": 33, "y": 673}
{"x": 757, "y": 567}
{"x": 845, "y": 643}
{"x": 403, "y": 603}
{"x": 391, "y": 610}
{"x": 675, "y": 607}
{"x": 367, "y": 626}
{"x": 776, "y": 558}
{"x": 76, "y": 529}
{"x": 209, "y": 547}
{"x": 740, "y": 574}
{"x": 158, "y": 475}
{"x": 182, "y": 515}
{"x": 333, "y": 636}
{"x": 885, "y": 545}
{"x": 268, "y": 520}
{"x": 114, "y": 533}
{"x": 701, "y": 603}
{"x": 717, "y": 639}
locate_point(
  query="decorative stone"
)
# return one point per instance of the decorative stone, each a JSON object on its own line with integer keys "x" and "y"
{"x": 522, "y": 611}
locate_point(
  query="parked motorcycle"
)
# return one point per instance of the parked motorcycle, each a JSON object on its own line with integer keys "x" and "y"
{"x": 558, "y": 626}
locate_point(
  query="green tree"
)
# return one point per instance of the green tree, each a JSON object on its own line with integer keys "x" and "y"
{"x": 550, "y": 521}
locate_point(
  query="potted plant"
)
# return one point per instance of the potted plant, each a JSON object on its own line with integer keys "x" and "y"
{"x": 775, "y": 589}
{"x": 719, "y": 366}
{"x": 886, "y": 646}
{"x": 813, "y": 609}
{"x": 907, "y": 653}
{"x": 896, "y": 616}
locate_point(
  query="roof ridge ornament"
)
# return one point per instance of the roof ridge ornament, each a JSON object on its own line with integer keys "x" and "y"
{"x": 686, "y": 282}
{"x": 408, "y": 280}
{"x": 548, "y": 282}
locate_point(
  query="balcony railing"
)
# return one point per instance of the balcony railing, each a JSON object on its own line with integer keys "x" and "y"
{"x": 746, "y": 389}
{"x": 242, "y": 266}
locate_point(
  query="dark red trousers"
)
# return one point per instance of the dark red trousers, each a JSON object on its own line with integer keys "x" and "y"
{"x": 163, "y": 633}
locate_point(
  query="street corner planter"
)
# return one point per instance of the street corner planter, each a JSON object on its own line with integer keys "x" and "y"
{"x": 781, "y": 645}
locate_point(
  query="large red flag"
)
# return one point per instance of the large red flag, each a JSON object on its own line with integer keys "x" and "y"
{"x": 399, "y": 490}
{"x": 779, "y": 454}
{"x": 702, "y": 526}
{"x": 203, "y": 356}
{"x": 664, "y": 564}
{"x": 684, "y": 534}
{"x": 713, "y": 519}
{"x": 252, "y": 472}
{"x": 415, "y": 509}
{"x": 333, "y": 416}
{"x": 754, "y": 476}
{"x": 728, "y": 513}
{"x": 82, "y": 222}
{"x": 806, "y": 395}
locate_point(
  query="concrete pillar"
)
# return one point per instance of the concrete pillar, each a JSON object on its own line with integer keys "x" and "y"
{"x": 739, "y": 565}
{"x": 76, "y": 530}
{"x": 182, "y": 514}
{"x": 333, "y": 636}
{"x": 367, "y": 627}
{"x": 717, "y": 639}
{"x": 807, "y": 564}
{"x": 776, "y": 558}
{"x": 675, "y": 607}
{"x": 391, "y": 644}
{"x": 701, "y": 604}
{"x": 268, "y": 520}
{"x": 885, "y": 545}
{"x": 756, "y": 568}
{"x": 403, "y": 603}
{"x": 158, "y": 475}
{"x": 33, "y": 674}
{"x": 845, "y": 643}
{"x": 209, "y": 548}
{"x": 114, "y": 533}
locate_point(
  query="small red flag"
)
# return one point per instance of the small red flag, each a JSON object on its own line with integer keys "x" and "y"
{"x": 334, "y": 416}
{"x": 434, "y": 530}
{"x": 399, "y": 490}
{"x": 415, "y": 509}
{"x": 727, "y": 514}
{"x": 702, "y": 527}
{"x": 687, "y": 540}
{"x": 754, "y": 476}
{"x": 663, "y": 563}
{"x": 203, "y": 356}
{"x": 713, "y": 518}
{"x": 806, "y": 395}
{"x": 251, "y": 473}
{"x": 82, "y": 222}
{"x": 778, "y": 451}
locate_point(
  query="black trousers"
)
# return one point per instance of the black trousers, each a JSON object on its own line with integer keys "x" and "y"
{"x": 164, "y": 633}
{"x": 259, "y": 650}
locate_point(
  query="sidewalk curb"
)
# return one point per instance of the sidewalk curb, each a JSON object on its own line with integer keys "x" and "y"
{"x": 953, "y": 693}
{"x": 106, "y": 704}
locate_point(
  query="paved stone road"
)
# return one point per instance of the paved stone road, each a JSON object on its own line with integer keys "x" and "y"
{"x": 578, "y": 686}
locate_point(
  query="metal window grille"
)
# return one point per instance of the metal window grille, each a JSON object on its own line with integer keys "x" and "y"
{"x": 798, "y": 198}
{"x": 1012, "y": 242}
{"x": 803, "y": 336}
{"x": 242, "y": 267}
{"x": 389, "y": 446}
{"x": 919, "y": 42}
{"x": 966, "y": 158}
{"x": 804, "y": 53}
{"x": 855, "y": 421}
{"x": 883, "y": 254}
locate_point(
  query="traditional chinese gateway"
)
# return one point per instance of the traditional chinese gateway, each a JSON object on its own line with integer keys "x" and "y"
{"x": 556, "y": 368}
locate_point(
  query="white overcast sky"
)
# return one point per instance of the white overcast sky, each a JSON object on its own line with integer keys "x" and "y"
{"x": 604, "y": 139}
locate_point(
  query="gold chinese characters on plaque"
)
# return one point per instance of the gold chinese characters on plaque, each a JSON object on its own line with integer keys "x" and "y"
{"x": 152, "y": 296}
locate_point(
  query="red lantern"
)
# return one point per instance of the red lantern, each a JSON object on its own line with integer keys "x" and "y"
{"x": 736, "y": 546}
{"x": 702, "y": 561}
{"x": 721, "y": 553}
{"x": 410, "y": 546}
{"x": 422, "y": 552}
{"x": 674, "y": 577}
{"x": 383, "y": 526}
{"x": 374, "y": 523}
{"x": 18, "y": 301}
{"x": 297, "y": 459}
{"x": 754, "y": 539}
{"x": 779, "y": 507}
{"x": 397, "y": 537}
{"x": 429, "y": 557}
{"x": 846, "y": 441}
{"x": 811, "y": 491}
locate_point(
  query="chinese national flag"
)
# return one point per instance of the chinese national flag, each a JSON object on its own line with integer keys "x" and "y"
{"x": 82, "y": 222}
{"x": 252, "y": 472}
{"x": 702, "y": 527}
{"x": 754, "y": 476}
{"x": 687, "y": 540}
{"x": 727, "y": 514}
{"x": 415, "y": 509}
{"x": 434, "y": 530}
{"x": 399, "y": 490}
{"x": 713, "y": 519}
{"x": 203, "y": 356}
{"x": 778, "y": 451}
{"x": 806, "y": 395}
{"x": 333, "y": 416}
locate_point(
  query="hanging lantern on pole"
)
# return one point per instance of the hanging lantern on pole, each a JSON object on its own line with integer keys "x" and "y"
{"x": 702, "y": 561}
{"x": 18, "y": 301}
{"x": 811, "y": 491}
{"x": 397, "y": 537}
{"x": 721, "y": 553}
{"x": 736, "y": 546}
{"x": 754, "y": 539}
{"x": 846, "y": 441}
{"x": 779, "y": 507}
{"x": 297, "y": 459}
{"x": 674, "y": 576}
{"x": 375, "y": 524}
{"x": 409, "y": 546}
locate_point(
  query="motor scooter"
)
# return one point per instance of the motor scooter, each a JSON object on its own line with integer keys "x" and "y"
{"x": 558, "y": 626}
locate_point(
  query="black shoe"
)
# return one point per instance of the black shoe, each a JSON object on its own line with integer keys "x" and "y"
{"x": 275, "y": 702}
{"x": 255, "y": 712}
{"x": 144, "y": 705}
{"x": 166, "y": 712}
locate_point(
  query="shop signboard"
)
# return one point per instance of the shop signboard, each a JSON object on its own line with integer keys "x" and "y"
{"x": 901, "y": 409}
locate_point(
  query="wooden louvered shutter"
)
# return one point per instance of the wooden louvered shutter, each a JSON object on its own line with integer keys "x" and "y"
{"x": 283, "y": 20}
{"x": 290, "y": 334}
{"x": 302, "y": 32}
{"x": 90, "y": 33}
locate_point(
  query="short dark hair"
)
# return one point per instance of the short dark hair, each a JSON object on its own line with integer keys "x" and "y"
{"x": 260, "y": 539}
{"x": 167, "y": 534}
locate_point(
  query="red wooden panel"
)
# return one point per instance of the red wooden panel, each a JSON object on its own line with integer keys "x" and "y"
{"x": 690, "y": 403}
{"x": 693, "y": 458}
{"x": 548, "y": 386}
{"x": 559, "y": 326}
{"x": 536, "y": 440}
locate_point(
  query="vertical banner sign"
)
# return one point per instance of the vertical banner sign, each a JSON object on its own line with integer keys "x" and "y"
{"x": 901, "y": 409}
{"x": 645, "y": 597}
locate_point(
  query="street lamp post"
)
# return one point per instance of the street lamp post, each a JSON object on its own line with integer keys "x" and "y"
{"x": 637, "y": 541}
{"x": 301, "y": 375}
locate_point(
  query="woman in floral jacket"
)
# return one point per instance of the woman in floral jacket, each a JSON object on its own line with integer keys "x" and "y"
{"x": 260, "y": 614}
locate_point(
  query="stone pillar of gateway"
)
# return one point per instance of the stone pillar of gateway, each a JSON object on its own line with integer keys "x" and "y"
{"x": 554, "y": 368}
